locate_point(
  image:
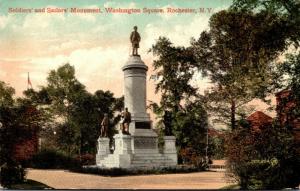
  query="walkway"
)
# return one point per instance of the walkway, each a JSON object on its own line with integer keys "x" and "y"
{"x": 61, "y": 179}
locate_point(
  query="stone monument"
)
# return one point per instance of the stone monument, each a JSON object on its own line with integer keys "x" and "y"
{"x": 139, "y": 148}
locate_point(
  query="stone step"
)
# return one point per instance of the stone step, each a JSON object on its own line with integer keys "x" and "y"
{"x": 149, "y": 161}
{"x": 152, "y": 165}
{"x": 149, "y": 157}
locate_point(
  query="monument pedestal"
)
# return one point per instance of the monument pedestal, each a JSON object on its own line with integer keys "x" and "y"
{"x": 103, "y": 149}
{"x": 140, "y": 148}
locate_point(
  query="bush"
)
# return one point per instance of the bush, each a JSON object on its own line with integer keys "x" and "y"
{"x": 11, "y": 174}
{"x": 263, "y": 159}
{"x": 190, "y": 156}
{"x": 51, "y": 159}
{"x": 87, "y": 159}
{"x": 137, "y": 171}
{"x": 268, "y": 174}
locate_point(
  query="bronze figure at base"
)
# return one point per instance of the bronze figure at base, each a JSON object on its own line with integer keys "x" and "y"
{"x": 104, "y": 126}
{"x": 126, "y": 119}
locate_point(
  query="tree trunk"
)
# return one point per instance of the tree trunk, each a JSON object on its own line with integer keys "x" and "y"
{"x": 232, "y": 114}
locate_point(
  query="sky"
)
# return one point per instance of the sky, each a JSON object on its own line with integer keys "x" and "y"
{"x": 97, "y": 45}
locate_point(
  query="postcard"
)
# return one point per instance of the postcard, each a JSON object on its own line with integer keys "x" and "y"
{"x": 157, "y": 94}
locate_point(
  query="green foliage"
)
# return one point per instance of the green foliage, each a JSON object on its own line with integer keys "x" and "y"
{"x": 189, "y": 127}
{"x": 20, "y": 123}
{"x": 288, "y": 10}
{"x": 237, "y": 55}
{"x": 263, "y": 158}
{"x": 290, "y": 80}
{"x": 217, "y": 146}
{"x": 174, "y": 65}
{"x": 131, "y": 172}
{"x": 6, "y": 94}
{"x": 180, "y": 112}
{"x": 10, "y": 174}
{"x": 52, "y": 159}
{"x": 73, "y": 113}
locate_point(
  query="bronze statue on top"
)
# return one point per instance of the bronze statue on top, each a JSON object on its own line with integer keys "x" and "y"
{"x": 135, "y": 39}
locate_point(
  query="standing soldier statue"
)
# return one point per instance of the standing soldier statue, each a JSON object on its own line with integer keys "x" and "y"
{"x": 126, "y": 119}
{"x": 104, "y": 126}
{"x": 135, "y": 39}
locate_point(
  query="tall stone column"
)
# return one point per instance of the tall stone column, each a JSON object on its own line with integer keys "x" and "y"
{"x": 135, "y": 72}
{"x": 135, "y": 76}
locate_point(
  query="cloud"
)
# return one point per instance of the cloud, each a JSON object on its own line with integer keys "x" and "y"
{"x": 165, "y": 15}
{"x": 2, "y": 74}
{"x": 3, "y": 21}
{"x": 179, "y": 34}
{"x": 38, "y": 21}
{"x": 97, "y": 68}
{"x": 66, "y": 45}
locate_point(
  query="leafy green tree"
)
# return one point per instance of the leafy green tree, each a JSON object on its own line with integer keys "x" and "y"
{"x": 6, "y": 94}
{"x": 175, "y": 67}
{"x": 89, "y": 112}
{"x": 75, "y": 114}
{"x": 287, "y": 10}
{"x": 289, "y": 72}
{"x": 217, "y": 146}
{"x": 180, "y": 109}
{"x": 237, "y": 54}
{"x": 6, "y": 97}
{"x": 63, "y": 92}
{"x": 20, "y": 122}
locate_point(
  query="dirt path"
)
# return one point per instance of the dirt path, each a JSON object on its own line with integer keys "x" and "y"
{"x": 60, "y": 179}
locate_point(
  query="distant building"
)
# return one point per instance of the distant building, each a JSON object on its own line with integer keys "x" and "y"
{"x": 259, "y": 119}
{"x": 285, "y": 107}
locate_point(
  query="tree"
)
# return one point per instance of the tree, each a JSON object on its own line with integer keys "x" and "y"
{"x": 20, "y": 124}
{"x": 6, "y": 94}
{"x": 237, "y": 55}
{"x": 63, "y": 92}
{"x": 6, "y": 98}
{"x": 263, "y": 158}
{"x": 287, "y": 10}
{"x": 180, "y": 108}
{"x": 89, "y": 112}
{"x": 175, "y": 66}
{"x": 289, "y": 72}
{"x": 190, "y": 127}
{"x": 75, "y": 113}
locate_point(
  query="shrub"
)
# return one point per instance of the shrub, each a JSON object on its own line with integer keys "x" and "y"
{"x": 86, "y": 159}
{"x": 11, "y": 174}
{"x": 264, "y": 158}
{"x": 51, "y": 159}
{"x": 137, "y": 171}
{"x": 190, "y": 156}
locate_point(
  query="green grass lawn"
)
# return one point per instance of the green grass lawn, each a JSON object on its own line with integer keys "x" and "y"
{"x": 30, "y": 185}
